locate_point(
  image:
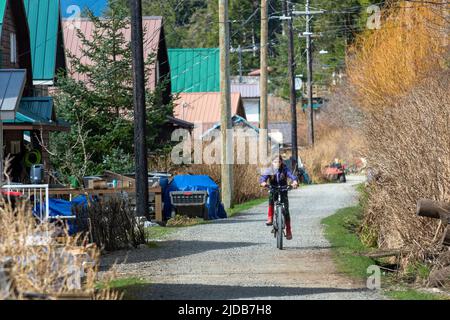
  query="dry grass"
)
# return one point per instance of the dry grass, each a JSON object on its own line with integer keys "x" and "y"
{"x": 245, "y": 177}
{"x": 344, "y": 144}
{"x": 42, "y": 266}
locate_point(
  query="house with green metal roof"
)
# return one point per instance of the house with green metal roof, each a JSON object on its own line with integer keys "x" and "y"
{"x": 46, "y": 37}
{"x": 194, "y": 70}
{"x": 26, "y": 117}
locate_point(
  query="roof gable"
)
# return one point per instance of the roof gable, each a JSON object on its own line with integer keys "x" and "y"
{"x": 152, "y": 39}
{"x": 195, "y": 70}
{"x": 44, "y": 23}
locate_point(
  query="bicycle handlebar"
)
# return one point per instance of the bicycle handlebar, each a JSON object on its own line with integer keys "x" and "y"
{"x": 279, "y": 188}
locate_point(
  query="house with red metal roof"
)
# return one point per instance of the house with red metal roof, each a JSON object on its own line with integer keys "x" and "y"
{"x": 154, "y": 43}
{"x": 203, "y": 108}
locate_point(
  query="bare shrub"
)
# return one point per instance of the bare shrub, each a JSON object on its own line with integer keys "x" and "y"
{"x": 394, "y": 73}
{"x": 112, "y": 224}
{"x": 409, "y": 149}
{"x": 40, "y": 266}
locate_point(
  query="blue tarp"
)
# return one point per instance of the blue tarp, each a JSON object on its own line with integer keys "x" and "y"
{"x": 196, "y": 183}
{"x": 58, "y": 207}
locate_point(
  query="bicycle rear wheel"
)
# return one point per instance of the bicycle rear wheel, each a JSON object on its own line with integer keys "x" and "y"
{"x": 280, "y": 227}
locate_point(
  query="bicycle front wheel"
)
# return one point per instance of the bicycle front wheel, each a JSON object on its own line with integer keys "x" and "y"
{"x": 280, "y": 224}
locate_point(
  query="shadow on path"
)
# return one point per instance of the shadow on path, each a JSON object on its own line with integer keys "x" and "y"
{"x": 168, "y": 250}
{"x": 160, "y": 291}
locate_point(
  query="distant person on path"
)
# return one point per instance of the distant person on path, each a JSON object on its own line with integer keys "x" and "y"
{"x": 277, "y": 175}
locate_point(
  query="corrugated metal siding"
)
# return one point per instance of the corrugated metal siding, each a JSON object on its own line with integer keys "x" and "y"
{"x": 43, "y": 22}
{"x": 246, "y": 90}
{"x": 195, "y": 70}
{"x": 204, "y": 107}
{"x": 72, "y": 43}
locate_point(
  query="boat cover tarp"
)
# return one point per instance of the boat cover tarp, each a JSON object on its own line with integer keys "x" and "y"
{"x": 64, "y": 208}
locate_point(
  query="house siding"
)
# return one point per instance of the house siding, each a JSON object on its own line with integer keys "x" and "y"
{"x": 9, "y": 26}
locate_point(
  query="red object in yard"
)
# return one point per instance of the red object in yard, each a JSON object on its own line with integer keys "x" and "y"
{"x": 331, "y": 171}
{"x": 11, "y": 193}
{"x": 335, "y": 172}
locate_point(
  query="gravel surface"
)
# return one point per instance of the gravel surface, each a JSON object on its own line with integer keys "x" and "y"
{"x": 237, "y": 258}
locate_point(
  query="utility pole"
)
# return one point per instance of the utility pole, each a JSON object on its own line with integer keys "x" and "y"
{"x": 140, "y": 146}
{"x": 240, "y": 63}
{"x": 291, "y": 73}
{"x": 263, "y": 63}
{"x": 308, "y": 34}
{"x": 310, "y": 111}
{"x": 225, "y": 106}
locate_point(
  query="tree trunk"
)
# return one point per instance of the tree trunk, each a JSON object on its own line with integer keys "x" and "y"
{"x": 433, "y": 209}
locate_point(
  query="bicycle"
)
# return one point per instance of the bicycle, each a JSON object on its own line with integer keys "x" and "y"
{"x": 279, "y": 214}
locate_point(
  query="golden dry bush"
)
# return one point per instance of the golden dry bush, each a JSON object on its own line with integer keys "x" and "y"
{"x": 409, "y": 151}
{"x": 386, "y": 63}
{"x": 40, "y": 265}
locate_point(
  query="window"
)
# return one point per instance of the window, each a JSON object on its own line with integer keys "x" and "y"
{"x": 13, "y": 47}
{"x": 15, "y": 147}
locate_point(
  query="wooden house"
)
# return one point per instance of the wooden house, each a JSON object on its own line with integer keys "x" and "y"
{"x": 27, "y": 59}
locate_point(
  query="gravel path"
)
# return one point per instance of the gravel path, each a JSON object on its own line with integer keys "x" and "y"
{"x": 237, "y": 258}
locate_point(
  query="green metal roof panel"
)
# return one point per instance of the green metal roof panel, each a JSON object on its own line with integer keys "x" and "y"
{"x": 194, "y": 70}
{"x": 43, "y": 21}
{"x": 2, "y": 13}
{"x": 39, "y": 107}
{"x": 35, "y": 110}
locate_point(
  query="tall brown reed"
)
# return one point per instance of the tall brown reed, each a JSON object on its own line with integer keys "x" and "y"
{"x": 43, "y": 266}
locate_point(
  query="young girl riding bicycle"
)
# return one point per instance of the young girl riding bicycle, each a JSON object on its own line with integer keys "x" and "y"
{"x": 277, "y": 175}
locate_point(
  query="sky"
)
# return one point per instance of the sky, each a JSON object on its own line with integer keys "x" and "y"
{"x": 68, "y": 11}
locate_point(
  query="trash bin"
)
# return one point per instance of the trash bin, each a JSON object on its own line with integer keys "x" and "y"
{"x": 37, "y": 173}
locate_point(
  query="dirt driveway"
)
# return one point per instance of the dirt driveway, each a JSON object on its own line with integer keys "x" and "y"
{"x": 237, "y": 258}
